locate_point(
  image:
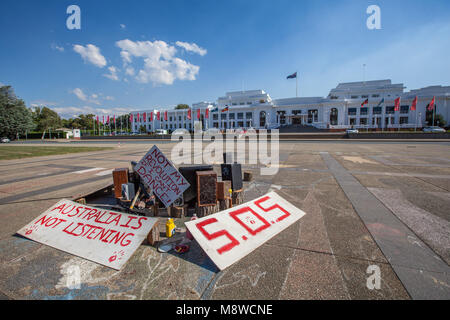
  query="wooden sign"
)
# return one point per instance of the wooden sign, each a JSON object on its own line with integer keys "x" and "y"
{"x": 160, "y": 175}
{"x": 230, "y": 235}
{"x": 206, "y": 188}
{"x": 106, "y": 237}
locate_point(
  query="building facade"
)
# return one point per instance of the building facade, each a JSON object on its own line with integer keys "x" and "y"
{"x": 341, "y": 109}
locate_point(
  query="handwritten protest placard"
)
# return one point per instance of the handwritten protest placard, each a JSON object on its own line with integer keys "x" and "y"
{"x": 230, "y": 235}
{"x": 158, "y": 173}
{"x": 106, "y": 237}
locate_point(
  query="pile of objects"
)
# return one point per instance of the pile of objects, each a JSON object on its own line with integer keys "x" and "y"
{"x": 206, "y": 195}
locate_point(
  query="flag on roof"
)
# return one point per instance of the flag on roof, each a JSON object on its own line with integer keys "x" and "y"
{"x": 292, "y": 76}
{"x": 365, "y": 102}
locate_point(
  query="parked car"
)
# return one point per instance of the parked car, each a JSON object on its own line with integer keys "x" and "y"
{"x": 5, "y": 140}
{"x": 352, "y": 131}
{"x": 433, "y": 129}
{"x": 160, "y": 131}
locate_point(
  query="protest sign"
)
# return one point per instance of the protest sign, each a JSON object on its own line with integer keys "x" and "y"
{"x": 159, "y": 174}
{"x": 230, "y": 235}
{"x": 106, "y": 237}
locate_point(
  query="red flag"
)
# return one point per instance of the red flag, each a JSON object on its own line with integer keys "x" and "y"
{"x": 365, "y": 102}
{"x": 107, "y": 119}
{"x": 158, "y": 115}
{"x": 103, "y": 121}
{"x": 151, "y": 116}
{"x": 431, "y": 105}
{"x": 414, "y": 104}
{"x": 189, "y": 114}
{"x": 165, "y": 115}
{"x": 138, "y": 117}
{"x": 97, "y": 120}
{"x": 397, "y": 104}
{"x": 114, "y": 119}
{"x": 207, "y": 113}
{"x": 145, "y": 116}
{"x": 131, "y": 117}
{"x": 198, "y": 114}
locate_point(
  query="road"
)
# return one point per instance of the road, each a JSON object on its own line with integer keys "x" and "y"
{"x": 383, "y": 204}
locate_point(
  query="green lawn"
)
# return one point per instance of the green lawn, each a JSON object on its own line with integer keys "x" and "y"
{"x": 19, "y": 152}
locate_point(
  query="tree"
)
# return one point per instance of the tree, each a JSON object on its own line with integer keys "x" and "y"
{"x": 438, "y": 118}
{"x": 15, "y": 117}
{"x": 181, "y": 106}
{"x": 45, "y": 119}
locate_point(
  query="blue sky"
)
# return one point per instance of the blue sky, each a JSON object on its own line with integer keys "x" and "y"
{"x": 132, "y": 55}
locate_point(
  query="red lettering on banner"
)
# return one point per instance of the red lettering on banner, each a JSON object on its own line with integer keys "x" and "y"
{"x": 275, "y": 206}
{"x": 59, "y": 208}
{"x": 200, "y": 226}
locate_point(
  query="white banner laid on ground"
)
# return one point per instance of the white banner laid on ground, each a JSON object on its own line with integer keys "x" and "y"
{"x": 158, "y": 173}
{"x": 230, "y": 235}
{"x": 106, "y": 237}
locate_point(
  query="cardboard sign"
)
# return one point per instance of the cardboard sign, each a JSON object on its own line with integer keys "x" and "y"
{"x": 230, "y": 235}
{"x": 106, "y": 237}
{"x": 158, "y": 173}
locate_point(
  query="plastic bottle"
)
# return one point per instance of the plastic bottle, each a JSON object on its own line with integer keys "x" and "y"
{"x": 188, "y": 234}
{"x": 170, "y": 228}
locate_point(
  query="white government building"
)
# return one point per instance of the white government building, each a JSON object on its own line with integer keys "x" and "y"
{"x": 340, "y": 110}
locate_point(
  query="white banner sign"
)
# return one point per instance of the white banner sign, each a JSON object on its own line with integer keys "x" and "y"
{"x": 158, "y": 173}
{"x": 230, "y": 235}
{"x": 106, "y": 237}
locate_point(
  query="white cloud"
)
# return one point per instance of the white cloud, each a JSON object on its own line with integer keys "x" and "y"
{"x": 80, "y": 94}
{"x": 84, "y": 97}
{"x": 161, "y": 66}
{"x": 109, "y": 98}
{"x": 192, "y": 47}
{"x": 113, "y": 74}
{"x": 129, "y": 71}
{"x": 91, "y": 54}
{"x": 122, "y": 26}
{"x": 70, "y": 112}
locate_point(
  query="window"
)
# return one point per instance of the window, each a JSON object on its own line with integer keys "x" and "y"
{"x": 352, "y": 111}
{"x": 364, "y": 96}
{"x": 363, "y": 111}
{"x": 215, "y": 124}
{"x": 242, "y": 103}
{"x": 223, "y": 116}
{"x": 249, "y": 103}
{"x": 375, "y": 96}
{"x": 334, "y": 117}
{"x": 249, "y": 115}
{"x": 377, "y": 110}
{"x": 231, "y": 116}
{"x": 363, "y": 121}
{"x": 215, "y": 116}
{"x": 334, "y": 97}
{"x": 282, "y": 116}
{"x": 247, "y": 124}
{"x": 354, "y": 97}
{"x": 403, "y": 120}
{"x": 240, "y": 124}
{"x": 313, "y": 115}
{"x": 234, "y": 104}
{"x": 404, "y": 109}
{"x": 262, "y": 101}
{"x": 352, "y": 121}
{"x": 390, "y": 110}
{"x": 170, "y": 119}
{"x": 240, "y": 115}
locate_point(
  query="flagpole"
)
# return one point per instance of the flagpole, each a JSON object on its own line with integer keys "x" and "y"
{"x": 296, "y": 84}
